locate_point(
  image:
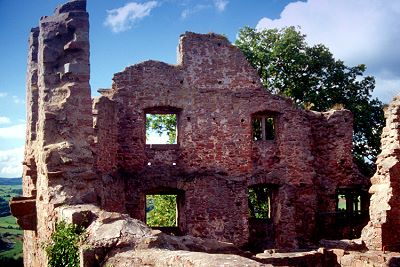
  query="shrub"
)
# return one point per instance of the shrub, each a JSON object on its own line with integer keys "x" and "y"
{"x": 63, "y": 249}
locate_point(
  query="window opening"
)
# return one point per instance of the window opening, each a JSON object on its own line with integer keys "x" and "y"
{"x": 341, "y": 202}
{"x": 349, "y": 201}
{"x": 161, "y": 128}
{"x": 259, "y": 199}
{"x": 263, "y": 128}
{"x": 161, "y": 210}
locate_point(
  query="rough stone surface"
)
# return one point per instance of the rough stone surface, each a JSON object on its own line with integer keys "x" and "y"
{"x": 383, "y": 229}
{"x": 109, "y": 230}
{"x": 24, "y": 208}
{"x": 161, "y": 258}
{"x": 368, "y": 259}
{"x": 346, "y": 244}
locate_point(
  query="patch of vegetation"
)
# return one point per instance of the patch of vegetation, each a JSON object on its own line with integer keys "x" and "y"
{"x": 161, "y": 210}
{"x": 10, "y": 232}
{"x": 63, "y": 250}
{"x": 162, "y": 124}
{"x": 314, "y": 79}
{"x": 259, "y": 202}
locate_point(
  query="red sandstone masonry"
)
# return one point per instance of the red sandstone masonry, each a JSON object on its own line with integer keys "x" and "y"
{"x": 383, "y": 229}
{"x": 215, "y": 93}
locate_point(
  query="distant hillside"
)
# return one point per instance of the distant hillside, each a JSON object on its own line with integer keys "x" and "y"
{"x": 10, "y": 181}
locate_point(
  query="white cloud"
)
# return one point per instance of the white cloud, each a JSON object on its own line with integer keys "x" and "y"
{"x": 220, "y": 5}
{"x": 17, "y": 100}
{"x": 11, "y": 162}
{"x": 4, "y": 120}
{"x": 357, "y": 31}
{"x": 123, "y": 18}
{"x": 386, "y": 89}
{"x": 190, "y": 11}
{"x": 13, "y": 132}
{"x": 3, "y": 94}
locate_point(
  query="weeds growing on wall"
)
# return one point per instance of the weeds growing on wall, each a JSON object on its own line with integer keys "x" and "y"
{"x": 63, "y": 249}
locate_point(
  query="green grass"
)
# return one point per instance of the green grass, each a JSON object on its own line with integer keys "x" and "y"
{"x": 9, "y": 191}
{"x": 8, "y": 222}
{"x": 10, "y": 232}
{"x": 15, "y": 252}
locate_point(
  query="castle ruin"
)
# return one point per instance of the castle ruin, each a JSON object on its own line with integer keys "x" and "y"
{"x": 233, "y": 137}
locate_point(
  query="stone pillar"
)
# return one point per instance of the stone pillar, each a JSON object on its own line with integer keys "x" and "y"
{"x": 58, "y": 151}
{"x": 383, "y": 229}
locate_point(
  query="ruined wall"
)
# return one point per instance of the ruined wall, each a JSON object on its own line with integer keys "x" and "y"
{"x": 215, "y": 94}
{"x": 105, "y": 132}
{"x": 58, "y": 157}
{"x": 288, "y": 164}
{"x": 29, "y": 165}
{"x": 335, "y": 169}
{"x": 383, "y": 231}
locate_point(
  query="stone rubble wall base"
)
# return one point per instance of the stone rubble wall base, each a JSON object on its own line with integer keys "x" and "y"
{"x": 115, "y": 239}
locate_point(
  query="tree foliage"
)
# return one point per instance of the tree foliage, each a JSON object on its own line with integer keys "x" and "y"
{"x": 259, "y": 202}
{"x": 313, "y": 78}
{"x": 161, "y": 210}
{"x": 162, "y": 124}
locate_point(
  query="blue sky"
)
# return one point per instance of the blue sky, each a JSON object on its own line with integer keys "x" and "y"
{"x": 126, "y": 32}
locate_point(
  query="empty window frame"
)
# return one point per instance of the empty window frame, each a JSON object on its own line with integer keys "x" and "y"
{"x": 259, "y": 202}
{"x": 162, "y": 210}
{"x": 349, "y": 201}
{"x": 161, "y": 128}
{"x": 264, "y": 127}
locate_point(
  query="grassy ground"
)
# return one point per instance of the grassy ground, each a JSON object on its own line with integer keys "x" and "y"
{"x": 9, "y": 191}
{"x": 10, "y": 233}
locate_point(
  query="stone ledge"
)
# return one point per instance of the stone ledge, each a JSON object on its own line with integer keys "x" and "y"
{"x": 24, "y": 209}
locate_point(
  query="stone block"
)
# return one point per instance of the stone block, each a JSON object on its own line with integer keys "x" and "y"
{"x": 24, "y": 209}
{"x": 76, "y": 68}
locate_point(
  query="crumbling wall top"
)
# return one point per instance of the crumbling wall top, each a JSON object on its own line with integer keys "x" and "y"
{"x": 72, "y": 5}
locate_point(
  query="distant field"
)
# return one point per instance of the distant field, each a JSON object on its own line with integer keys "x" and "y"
{"x": 10, "y": 233}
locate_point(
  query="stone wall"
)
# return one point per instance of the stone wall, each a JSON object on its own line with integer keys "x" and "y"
{"x": 335, "y": 169}
{"x": 383, "y": 231}
{"x": 105, "y": 132}
{"x": 215, "y": 94}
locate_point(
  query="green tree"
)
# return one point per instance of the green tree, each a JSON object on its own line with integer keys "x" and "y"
{"x": 314, "y": 79}
{"x": 161, "y": 210}
{"x": 162, "y": 124}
